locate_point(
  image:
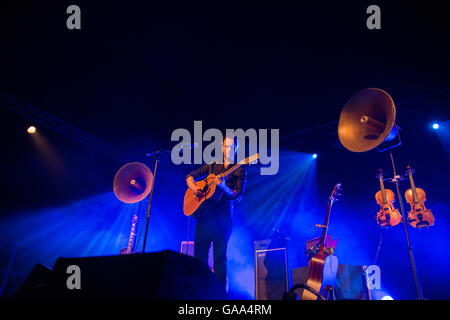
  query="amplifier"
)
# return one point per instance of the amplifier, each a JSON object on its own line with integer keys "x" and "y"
{"x": 271, "y": 270}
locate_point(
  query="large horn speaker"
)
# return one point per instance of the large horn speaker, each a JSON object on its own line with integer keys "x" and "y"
{"x": 133, "y": 182}
{"x": 367, "y": 120}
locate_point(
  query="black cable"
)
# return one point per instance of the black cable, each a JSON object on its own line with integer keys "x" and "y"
{"x": 291, "y": 294}
{"x": 379, "y": 246}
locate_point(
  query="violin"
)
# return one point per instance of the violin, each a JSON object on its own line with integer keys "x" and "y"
{"x": 388, "y": 216}
{"x": 419, "y": 216}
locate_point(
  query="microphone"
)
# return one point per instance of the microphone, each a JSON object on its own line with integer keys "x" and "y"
{"x": 156, "y": 153}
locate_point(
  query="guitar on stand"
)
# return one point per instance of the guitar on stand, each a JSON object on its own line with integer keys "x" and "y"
{"x": 419, "y": 216}
{"x": 388, "y": 216}
{"x": 196, "y": 206}
{"x": 129, "y": 249}
{"x": 323, "y": 264}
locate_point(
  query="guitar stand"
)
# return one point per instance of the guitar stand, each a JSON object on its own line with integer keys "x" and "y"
{"x": 329, "y": 293}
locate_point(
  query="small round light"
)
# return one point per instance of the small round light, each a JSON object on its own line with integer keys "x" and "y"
{"x": 31, "y": 129}
{"x": 387, "y": 298}
{"x": 435, "y": 126}
{"x": 314, "y": 156}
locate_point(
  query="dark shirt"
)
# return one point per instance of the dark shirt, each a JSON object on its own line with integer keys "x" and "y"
{"x": 235, "y": 181}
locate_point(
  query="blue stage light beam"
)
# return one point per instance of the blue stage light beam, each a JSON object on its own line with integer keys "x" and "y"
{"x": 443, "y": 132}
{"x": 95, "y": 226}
{"x": 277, "y": 202}
{"x": 272, "y": 202}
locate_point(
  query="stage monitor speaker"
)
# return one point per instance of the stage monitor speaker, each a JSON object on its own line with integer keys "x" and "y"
{"x": 164, "y": 275}
{"x": 271, "y": 270}
{"x": 187, "y": 247}
{"x": 36, "y": 284}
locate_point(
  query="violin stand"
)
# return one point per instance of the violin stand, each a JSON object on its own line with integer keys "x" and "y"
{"x": 408, "y": 242}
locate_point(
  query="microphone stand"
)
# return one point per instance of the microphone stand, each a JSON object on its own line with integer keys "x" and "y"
{"x": 156, "y": 156}
{"x": 408, "y": 242}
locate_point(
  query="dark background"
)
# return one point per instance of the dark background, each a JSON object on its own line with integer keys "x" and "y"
{"x": 138, "y": 70}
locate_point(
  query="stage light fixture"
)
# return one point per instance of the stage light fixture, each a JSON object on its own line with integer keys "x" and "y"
{"x": 31, "y": 130}
{"x": 315, "y": 156}
{"x": 378, "y": 294}
{"x": 435, "y": 126}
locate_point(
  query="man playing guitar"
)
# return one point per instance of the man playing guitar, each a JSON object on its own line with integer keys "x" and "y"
{"x": 216, "y": 225}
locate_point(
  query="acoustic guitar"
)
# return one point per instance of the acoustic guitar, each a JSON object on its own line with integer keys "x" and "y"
{"x": 322, "y": 265}
{"x": 388, "y": 216}
{"x": 419, "y": 216}
{"x": 128, "y": 250}
{"x": 195, "y": 206}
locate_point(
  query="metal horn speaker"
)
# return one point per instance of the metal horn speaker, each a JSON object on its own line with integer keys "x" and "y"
{"x": 133, "y": 182}
{"x": 366, "y": 120}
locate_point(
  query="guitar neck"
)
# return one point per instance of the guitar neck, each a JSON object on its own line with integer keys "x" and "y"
{"x": 336, "y": 189}
{"x": 231, "y": 170}
{"x": 236, "y": 166}
{"x": 130, "y": 241}
{"x": 132, "y": 235}
{"x": 325, "y": 227}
